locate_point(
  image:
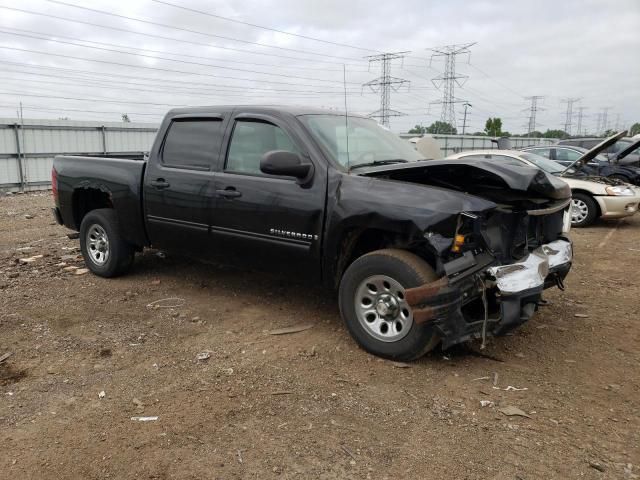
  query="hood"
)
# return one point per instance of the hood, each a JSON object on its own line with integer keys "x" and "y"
{"x": 593, "y": 153}
{"x": 623, "y": 153}
{"x": 496, "y": 181}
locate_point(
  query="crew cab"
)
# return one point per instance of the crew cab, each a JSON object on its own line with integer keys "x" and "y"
{"x": 419, "y": 252}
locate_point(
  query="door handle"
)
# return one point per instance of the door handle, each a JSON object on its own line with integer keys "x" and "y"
{"x": 159, "y": 183}
{"x": 229, "y": 192}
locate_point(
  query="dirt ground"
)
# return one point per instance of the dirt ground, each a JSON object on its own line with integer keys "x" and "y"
{"x": 303, "y": 405}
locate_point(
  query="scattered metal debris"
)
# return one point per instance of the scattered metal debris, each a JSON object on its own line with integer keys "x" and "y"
{"x": 511, "y": 411}
{"x": 203, "y": 356}
{"x": 581, "y": 315}
{"x": 400, "y": 365}
{"x": 102, "y": 394}
{"x": 291, "y": 329}
{"x": 283, "y": 392}
{"x": 144, "y": 419}
{"x": 5, "y": 356}
{"x": 487, "y": 403}
{"x": 171, "y": 302}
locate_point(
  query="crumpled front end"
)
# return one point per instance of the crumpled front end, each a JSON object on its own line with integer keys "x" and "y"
{"x": 488, "y": 291}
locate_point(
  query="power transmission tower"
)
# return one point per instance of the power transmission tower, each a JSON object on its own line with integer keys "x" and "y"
{"x": 533, "y": 110}
{"x": 580, "y": 116}
{"x": 605, "y": 124}
{"x": 449, "y": 79}
{"x": 464, "y": 121}
{"x": 384, "y": 84}
{"x": 568, "y": 122}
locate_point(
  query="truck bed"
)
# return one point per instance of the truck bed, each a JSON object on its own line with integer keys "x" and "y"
{"x": 83, "y": 181}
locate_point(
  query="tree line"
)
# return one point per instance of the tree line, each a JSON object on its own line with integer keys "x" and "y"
{"x": 493, "y": 128}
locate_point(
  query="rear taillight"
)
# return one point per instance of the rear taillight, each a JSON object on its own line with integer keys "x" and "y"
{"x": 54, "y": 185}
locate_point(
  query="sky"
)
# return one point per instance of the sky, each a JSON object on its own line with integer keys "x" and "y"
{"x": 97, "y": 59}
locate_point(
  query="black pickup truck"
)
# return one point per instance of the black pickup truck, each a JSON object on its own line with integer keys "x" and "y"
{"x": 420, "y": 252}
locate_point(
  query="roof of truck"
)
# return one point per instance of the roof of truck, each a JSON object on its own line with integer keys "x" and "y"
{"x": 265, "y": 109}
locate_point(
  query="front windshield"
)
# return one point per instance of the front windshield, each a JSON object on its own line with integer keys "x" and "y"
{"x": 368, "y": 142}
{"x": 543, "y": 163}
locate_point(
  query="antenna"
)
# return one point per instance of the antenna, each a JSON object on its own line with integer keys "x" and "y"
{"x": 346, "y": 115}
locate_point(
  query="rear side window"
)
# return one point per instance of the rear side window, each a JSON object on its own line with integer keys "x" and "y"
{"x": 192, "y": 143}
{"x": 250, "y": 141}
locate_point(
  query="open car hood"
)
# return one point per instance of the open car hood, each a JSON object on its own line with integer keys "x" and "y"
{"x": 623, "y": 153}
{"x": 479, "y": 177}
{"x": 593, "y": 153}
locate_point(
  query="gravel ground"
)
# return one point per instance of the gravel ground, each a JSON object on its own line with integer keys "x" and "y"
{"x": 88, "y": 354}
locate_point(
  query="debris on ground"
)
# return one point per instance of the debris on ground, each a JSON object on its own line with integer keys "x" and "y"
{"x": 511, "y": 411}
{"x": 144, "y": 419}
{"x": 487, "y": 403}
{"x": 102, "y": 394}
{"x": 171, "y": 302}
{"x": 73, "y": 235}
{"x": 81, "y": 271}
{"x": 291, "y": 329}
{"x": 203, "y": 356}
{"x": 581, "y": 315}
{"x": 597, "y": 466}
{"x": 5, "y": 356}
{"x": 400, "y": 365}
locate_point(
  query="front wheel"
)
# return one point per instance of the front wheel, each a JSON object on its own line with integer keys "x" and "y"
{"x": 584, "y": 210}
{"x": 104, "y": 250}
{"x": 374, "y": 309}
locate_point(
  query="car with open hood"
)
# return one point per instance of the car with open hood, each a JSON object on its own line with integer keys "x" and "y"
{"x": 622, "y": 151}
{"x": 419, "y": 252}
{"x": 592, "y": 196}
{"x": 600, "y": 165}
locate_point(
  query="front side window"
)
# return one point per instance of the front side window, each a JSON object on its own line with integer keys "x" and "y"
{"x": 250, "y": 141}
{"x": 192, "y": 143}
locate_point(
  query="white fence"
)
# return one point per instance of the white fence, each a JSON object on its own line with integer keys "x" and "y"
{"x": 27, "y": 148}
{"x": 450, "y": 144}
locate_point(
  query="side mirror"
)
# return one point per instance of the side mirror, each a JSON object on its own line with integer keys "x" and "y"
{"x": 283, "y": 163}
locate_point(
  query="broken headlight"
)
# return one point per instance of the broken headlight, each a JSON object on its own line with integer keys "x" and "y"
{"x": 465, "y": 237}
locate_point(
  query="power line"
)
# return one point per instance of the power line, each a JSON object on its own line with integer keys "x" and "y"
{"x": 48, "y": 37}
{"x": 187, "y": 62}
{"x": 384, "y": 84}
{"x": 106, "y": 62}
{"x": 449, "y": 79}
{"x": 180, "y": 83}
{"x": 209, "y": 14}
{"x": 171, "y": 39}
{"x": 197, "y": 32}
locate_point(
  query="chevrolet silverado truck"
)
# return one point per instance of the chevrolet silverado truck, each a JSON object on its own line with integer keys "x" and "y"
{"x": 420, "y": 253}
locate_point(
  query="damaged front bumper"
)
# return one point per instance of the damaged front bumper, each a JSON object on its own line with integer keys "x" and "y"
{"x": 490, "y": 298}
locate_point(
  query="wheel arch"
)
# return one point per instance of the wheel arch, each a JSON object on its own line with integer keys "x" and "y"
{"x": 355, "y": 242}
{"x": 599, "y": 203}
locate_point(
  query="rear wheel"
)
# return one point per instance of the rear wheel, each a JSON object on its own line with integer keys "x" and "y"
{"x": 104, "y": 250}
{"x": 373, "y": 305}
{"x": 584, "y": 210}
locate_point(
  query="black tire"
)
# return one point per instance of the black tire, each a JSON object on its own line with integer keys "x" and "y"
{"x": 585, "y": 201}
{"x": 409, "y": 271}
{"x": 120, "y": 253}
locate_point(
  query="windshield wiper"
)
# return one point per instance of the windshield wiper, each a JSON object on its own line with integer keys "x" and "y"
{"x": 375, "y": 163}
